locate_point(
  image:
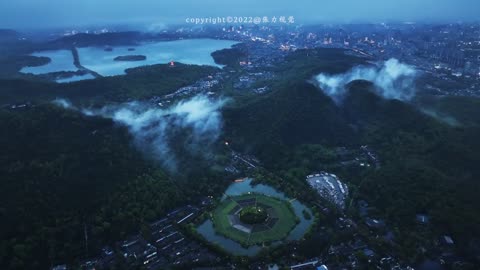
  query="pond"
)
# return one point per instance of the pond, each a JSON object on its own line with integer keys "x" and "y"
{"x": 207, "y": 230}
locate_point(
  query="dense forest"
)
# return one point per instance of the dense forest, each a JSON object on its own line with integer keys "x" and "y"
{"x": 428, "y": 166}
{"x": 139, "y": 83}
{"x": 63, "y": 174}
{"x": 56, "y": 167}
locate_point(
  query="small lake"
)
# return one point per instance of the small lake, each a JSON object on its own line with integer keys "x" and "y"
{"x": 207, "y": 230}
{"x": 101, "y": 61}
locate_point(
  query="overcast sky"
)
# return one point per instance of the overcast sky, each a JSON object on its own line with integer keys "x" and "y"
{"x": 48, "y": 13}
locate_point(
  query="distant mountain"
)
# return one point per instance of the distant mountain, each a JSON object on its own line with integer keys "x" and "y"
{"x": 104, "y": 39}
{"x": 8, "y": 35}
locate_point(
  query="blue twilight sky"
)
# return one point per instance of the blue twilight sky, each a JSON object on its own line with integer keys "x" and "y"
{"x": 61, "y": 13}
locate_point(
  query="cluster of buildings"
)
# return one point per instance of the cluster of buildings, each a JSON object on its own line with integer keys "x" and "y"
{"x": 18, "y": 106}
{"x": 167, "y": 245}
{"x": 329, "y": 187}
{"x": 314, "y": 264}
{"x": 359, "y": 246}
{"x": 240, "y": 162}
{"x": 440, "y": 247}
{"x": 250, "y": 79}
{"x": 204, "y": 85}
{"x": 163, "y": 246}
{"x": 448, "y": 53}
{"x": 365, "y": 157}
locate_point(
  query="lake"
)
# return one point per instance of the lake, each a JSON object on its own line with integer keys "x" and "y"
{"x": 60, "y": 60}
{"x": 99, "y": 60}
{"x": 188, "y": 51}
{"x": 207, "y": 230}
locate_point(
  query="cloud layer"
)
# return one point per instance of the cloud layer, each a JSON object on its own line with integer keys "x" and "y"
{"x": 392, "y": 80}
{"x": 190, "y": 126}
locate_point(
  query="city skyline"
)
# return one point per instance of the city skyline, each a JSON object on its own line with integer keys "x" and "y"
{"x": 28, "y": 14}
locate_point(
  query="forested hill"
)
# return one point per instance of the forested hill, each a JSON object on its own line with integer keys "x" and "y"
{"x": 60, "y": 171}
{"x": 139, "y": 83}
{"x": 428, "y": 166}
{"x": 296, "y": 113}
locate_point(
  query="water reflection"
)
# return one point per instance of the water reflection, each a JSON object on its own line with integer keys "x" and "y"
{"x": 207, "y": 230}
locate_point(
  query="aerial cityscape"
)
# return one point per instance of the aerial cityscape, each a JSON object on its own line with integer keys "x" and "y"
{"x": 301, "y": 136}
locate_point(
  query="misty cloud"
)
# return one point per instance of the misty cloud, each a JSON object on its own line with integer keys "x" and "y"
{"x": 193, "y": 125}
{"x": 442, "y": 117}
{"x": 392, "y": 80}
{"x": 61, "y": 102}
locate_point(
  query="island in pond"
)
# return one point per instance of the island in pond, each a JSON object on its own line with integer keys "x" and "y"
{"x": 130, "y": 58}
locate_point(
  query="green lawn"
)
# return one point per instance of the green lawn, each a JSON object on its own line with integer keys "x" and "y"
{"x": 282, "y": 209}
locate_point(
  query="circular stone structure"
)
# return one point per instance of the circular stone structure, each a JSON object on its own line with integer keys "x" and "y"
{"x": 253, "y": 219}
